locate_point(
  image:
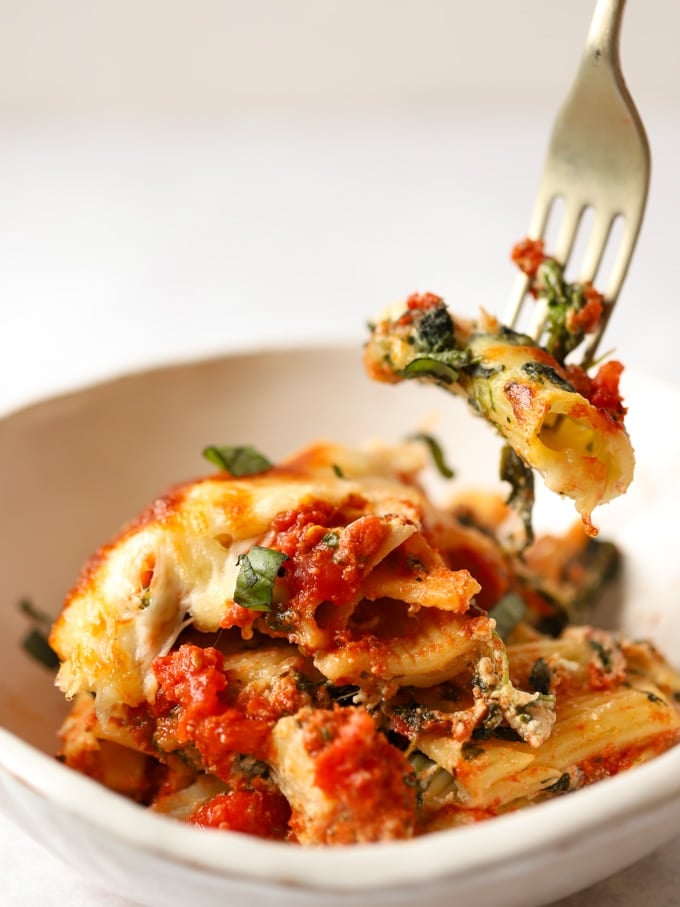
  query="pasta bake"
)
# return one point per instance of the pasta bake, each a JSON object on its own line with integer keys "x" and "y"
{"x": 316, "y": 652}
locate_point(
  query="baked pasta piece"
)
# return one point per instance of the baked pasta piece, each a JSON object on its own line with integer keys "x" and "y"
{"x": 315, "y": 652}
{"x": 553, "y": 416}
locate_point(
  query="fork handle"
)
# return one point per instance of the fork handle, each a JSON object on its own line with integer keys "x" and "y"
{"x": 604, "y": 32}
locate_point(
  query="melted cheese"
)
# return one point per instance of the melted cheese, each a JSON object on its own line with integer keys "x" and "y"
{"x": 113, "y": 625}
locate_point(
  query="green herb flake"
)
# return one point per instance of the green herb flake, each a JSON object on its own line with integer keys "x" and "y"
{"x": 471, "y": 751}
{"x": 503, "y": 732}
{"x": 36, "y": 645}
{"x": 480, "y": 370}
{"x": 540, "y": 372}
{"x": 603, "y": 654}
{"x": 479, "y": 683}
{"x": 508, "y": 612}
{"x": 436, "y": 330}
{"x": 36, "y": 642}
{"x": 521, "y": 478}
{"x": 429, "y": 367}
{"x": 561, "y": 786}
{"x": 490, "y": 724}
{"x": 331, "y": 539}
{"x": 540, "y": 676}
{"x": 436, "y": 452}
{"x": 303, "y": 683}
{"x": 237, "y": 461}
{"x": 281, "y": 621}
{"x": 416, "y": 565}
{"x": 562, "y": 299}
{"x": 256, "y": 577}
{"x": 338, "y": 471}
{"x": 654, "y": 698}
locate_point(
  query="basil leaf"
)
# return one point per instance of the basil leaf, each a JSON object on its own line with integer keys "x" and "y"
{"x": 427, "y": 366}
{"x": 540, "y": 677}
{"x": 508, "y": 612}
{"x": 514, "y": 470}
{"x": 256, "y": 577}
{"x": 560, "y": 786}
{"x": 437, "y": 453}
{"x": 471, "y": 751}
{"x": 36, "y": 645}
{"x": 36, "y": 642}
{"x": 238, "y": 461}
{"x": 562, "y": 298}
{"x": 331, "y": 539}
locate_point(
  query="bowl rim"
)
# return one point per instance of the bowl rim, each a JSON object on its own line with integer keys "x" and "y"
{"x": 174, "y": 361}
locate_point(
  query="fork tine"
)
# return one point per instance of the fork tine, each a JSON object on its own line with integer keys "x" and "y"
{"x": 568, "y": 231}
{"x": 620, "y": 268}
{"x": 597, "y": 244}
{"x": 519, "y": 291}
{"x": 571, "y": 220}
{"x": 616, "y": 279}
{"x": 545, "y": 202}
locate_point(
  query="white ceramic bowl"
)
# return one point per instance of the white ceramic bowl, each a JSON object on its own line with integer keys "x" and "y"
{"x": 72, "y": 469}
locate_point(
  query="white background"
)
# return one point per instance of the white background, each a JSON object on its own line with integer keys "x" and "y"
{"x": 180, "y": 178}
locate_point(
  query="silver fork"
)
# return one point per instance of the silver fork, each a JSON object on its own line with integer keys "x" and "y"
{"x": 598, "y": 157}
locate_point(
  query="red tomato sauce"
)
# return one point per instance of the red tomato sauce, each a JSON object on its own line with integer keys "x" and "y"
{"x": 325, "y": 565}
{"x": 602, "y": 390}
{"x": 264, "y": 813}
{"x": 528, "y": 255}
{"x": 357, "y": 761}
{"x": 194, "y": 708}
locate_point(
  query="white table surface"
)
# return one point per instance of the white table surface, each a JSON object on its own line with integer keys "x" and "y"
{"x": 125, "y": 244}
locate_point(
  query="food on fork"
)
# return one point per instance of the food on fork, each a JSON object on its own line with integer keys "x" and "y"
{"x": 555, "y": 417}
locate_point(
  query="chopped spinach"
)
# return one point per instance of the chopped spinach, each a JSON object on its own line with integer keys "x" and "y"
{"x": 471, "y": 751}
{"x": 514, "y": 470}
{"x": 36, "y": 642}
{"x": 540, "y": 676}
{"x": 560, "y": 786}
{"x": 436, "y": 330}
{"x": 539, "y": 371}
{"x": 431, "y": 367}
{"x": 508, "y": 612}
{"x": 437, "y": 454}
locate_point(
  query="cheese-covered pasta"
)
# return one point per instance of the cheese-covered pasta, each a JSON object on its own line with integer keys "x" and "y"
{"x": 315, "y": 651}
{"x": 581, "y": 448}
